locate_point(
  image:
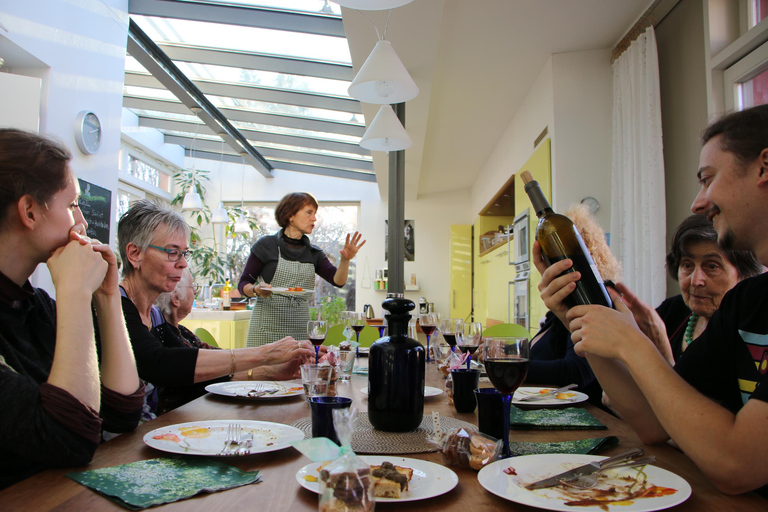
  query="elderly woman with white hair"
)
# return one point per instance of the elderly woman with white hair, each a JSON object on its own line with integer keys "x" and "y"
{"x": 175, "y": 306}
{"x": 154, "y": 246}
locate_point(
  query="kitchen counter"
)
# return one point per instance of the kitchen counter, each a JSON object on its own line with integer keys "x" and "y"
{"x": 228, "y": 328}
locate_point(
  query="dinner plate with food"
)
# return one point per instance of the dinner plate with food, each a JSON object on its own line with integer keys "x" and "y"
{"x": 292, "y": 290}
{"x": 429, "y": 391}
{"x": 255, "y": 390}
{"x": 540, "y": 397}
{"x": 210, "y": 437}
{"x": 621, "y": 489}
{"x": 396, "y": 479}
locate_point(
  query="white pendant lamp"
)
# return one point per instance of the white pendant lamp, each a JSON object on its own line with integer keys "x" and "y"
{"x": 192, "y": 201}
{"x": 219, "y": 215}
{"x": 241, "y": 226}
{"x": 386, "y": 133}
{"x": 372, "y": 5}
{"x": 383, "y": 78}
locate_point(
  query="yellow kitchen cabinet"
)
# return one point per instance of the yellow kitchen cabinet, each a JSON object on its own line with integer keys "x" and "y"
{"x": 461, "y": 271}
{"x": 229, "y": 328}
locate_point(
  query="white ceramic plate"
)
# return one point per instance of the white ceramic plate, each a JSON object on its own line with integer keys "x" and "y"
{"x": 570, "y": 397}
{"x": 207, "y": 437}
{"x": 532, "y": 468}
{"x": 284, "y": 291}
{"x": 241, "y": 388}
{"x": 429, "y": 479}
{"x": 428, "y": 391}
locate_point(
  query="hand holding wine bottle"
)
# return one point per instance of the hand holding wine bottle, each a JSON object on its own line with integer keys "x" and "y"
{"x": 560, "y": 245}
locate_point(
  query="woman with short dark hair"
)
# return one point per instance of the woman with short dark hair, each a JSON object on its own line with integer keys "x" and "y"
{"x": 58, "y": 393}
{"x": 288, "y": 260}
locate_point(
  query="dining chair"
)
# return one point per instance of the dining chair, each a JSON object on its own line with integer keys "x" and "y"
{"x": 206, "y": 337}
{"x": 506, "y": 330}
{"x": 335, "y": 335}
{"x": 368, "y": 335}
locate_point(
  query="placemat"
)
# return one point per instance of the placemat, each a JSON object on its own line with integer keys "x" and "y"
{"x": 582, "y": 446}
{"x": 570, "y": 418}
{"x": 147, "y": 483}
{"x": 377, "y": 442}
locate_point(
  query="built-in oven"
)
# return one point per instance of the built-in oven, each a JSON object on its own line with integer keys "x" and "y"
{"x": 520, "y": 299}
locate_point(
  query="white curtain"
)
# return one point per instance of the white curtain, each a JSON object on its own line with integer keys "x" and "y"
{"x": 638, "y": 211}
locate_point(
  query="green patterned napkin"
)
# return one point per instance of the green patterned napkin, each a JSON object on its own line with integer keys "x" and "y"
{"x": 582, "y": 446}
{"x": 147, "y": 483}
{"x": 570, "y": 418}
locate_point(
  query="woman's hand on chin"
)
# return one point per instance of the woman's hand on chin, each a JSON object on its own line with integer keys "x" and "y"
{"x": 75, "y": 266}
{"x": 109, "y": 285}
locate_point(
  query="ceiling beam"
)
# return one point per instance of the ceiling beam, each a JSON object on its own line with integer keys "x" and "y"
{"x": 144, "y": 50}
{"x": 259, "y": 136}
{"x": 252, "y": 60}
{"x": 256, "y": 93}
{"x": 315, "y": 23}
{"x": 246, "y": 116}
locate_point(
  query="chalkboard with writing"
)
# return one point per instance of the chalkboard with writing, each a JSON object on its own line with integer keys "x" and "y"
{"x": 96, "y": 204}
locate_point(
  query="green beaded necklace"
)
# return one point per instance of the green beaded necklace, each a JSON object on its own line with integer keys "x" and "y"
{"x": 688, "y": 336}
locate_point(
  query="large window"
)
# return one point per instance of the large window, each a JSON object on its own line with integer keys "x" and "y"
{"x": 333, "y": 224}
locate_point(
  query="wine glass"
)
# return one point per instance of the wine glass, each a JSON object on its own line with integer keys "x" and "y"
{"x": 506, "y": 363}
{"x": 357, "y": 322}
{"x": 316, "y": 331}
{"x": 428, "y": 324}
{"x": 450, "y": 327}
{"x": 469, "y": 339}
{"x": 382, "y": 329}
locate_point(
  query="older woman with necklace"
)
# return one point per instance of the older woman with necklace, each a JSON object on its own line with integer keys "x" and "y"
{"x": 154, "y": 246}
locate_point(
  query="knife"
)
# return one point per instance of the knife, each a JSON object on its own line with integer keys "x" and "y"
{"x": 548, "y": 394}
{"x": 586, "y": 469}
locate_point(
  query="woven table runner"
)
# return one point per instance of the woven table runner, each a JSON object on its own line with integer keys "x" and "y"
{"x": 367, "y": 440}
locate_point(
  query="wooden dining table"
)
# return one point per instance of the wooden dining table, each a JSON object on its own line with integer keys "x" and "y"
{"x": 52, "y": 490}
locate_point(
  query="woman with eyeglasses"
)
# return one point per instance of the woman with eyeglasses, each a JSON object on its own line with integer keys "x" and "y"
{"x": 154, "y": 246}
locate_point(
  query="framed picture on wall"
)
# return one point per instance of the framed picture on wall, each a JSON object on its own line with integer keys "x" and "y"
{"x": 409, "y": 240}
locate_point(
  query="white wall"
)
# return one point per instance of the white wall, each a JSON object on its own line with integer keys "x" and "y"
{"x": 581, "y": 159}
{"x": 83, "y": 44}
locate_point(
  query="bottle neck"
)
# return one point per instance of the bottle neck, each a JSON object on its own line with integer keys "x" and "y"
{"x": 539, "y": 202}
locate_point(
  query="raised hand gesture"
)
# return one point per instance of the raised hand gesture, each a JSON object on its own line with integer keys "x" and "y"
{"x": 352, "y": 245}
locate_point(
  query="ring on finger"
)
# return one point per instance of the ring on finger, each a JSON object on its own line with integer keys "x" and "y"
{"x": 300, "y": 347}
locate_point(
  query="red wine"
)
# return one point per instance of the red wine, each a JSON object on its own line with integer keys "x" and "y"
{"x": 358, "y": 328}
{"x": 559, "y": 239}
{"x": 450, "y": 338}
{"x": 506, "y": 374}
{"x": 428, "y": 329}
{"x": 317, "y": 341}
{"x": 468, "y": 348}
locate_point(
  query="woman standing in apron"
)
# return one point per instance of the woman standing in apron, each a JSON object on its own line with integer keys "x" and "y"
{"x": 287, "y": 260}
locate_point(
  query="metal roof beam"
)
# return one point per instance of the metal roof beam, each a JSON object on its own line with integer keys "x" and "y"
{"x": 336, "y": 173}
{"x": 246, "y": 116}
{"x": 144, "y": 50}
{"x": 256, "y": 93}
{"x": 242, "y": 15}
{"x": 259, "y": 136}
{"x": 250, "y": 60}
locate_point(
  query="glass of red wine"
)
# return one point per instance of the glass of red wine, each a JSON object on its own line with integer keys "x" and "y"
{"x": 449, "y": 328}
{"x": 428, "y": 323}
{"x": 357, "y": 322}
{"x": 469, "y": 339}
{"x": 506, "y": 363}
{"x": 316, "y": 331}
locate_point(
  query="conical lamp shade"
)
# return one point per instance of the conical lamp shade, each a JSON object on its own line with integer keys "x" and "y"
{"x": 386, "y": 133}
{"x": 192, "y": 201}
{"x": 372, "y": 5}
{"x": 383, "y": 79}
{"x": 219, "y": 215}
{"x": 241, "y": 226}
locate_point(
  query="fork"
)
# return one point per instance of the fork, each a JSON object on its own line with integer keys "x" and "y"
{"x": 233, "y": 437}
{"x": 590, "y": 480}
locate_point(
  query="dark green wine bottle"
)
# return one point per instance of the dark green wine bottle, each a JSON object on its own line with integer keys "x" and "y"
{"x": 559, "y": 239}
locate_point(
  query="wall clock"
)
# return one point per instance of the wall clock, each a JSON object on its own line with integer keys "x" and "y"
{"x": 591, "y": 203}
{"x": 88, "y": 132}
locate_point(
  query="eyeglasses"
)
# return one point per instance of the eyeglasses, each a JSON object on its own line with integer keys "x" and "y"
{"x": 173, "y": 254}
{"x": 195, "y": 287}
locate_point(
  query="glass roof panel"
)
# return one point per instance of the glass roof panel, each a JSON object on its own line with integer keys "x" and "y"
{"x": 249, "y": 39}
{"x": 279, "y": 108}
{"x": 298, "y": 149}
{"x": 270, "y": 79}
{"x": 308, "y": 6}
